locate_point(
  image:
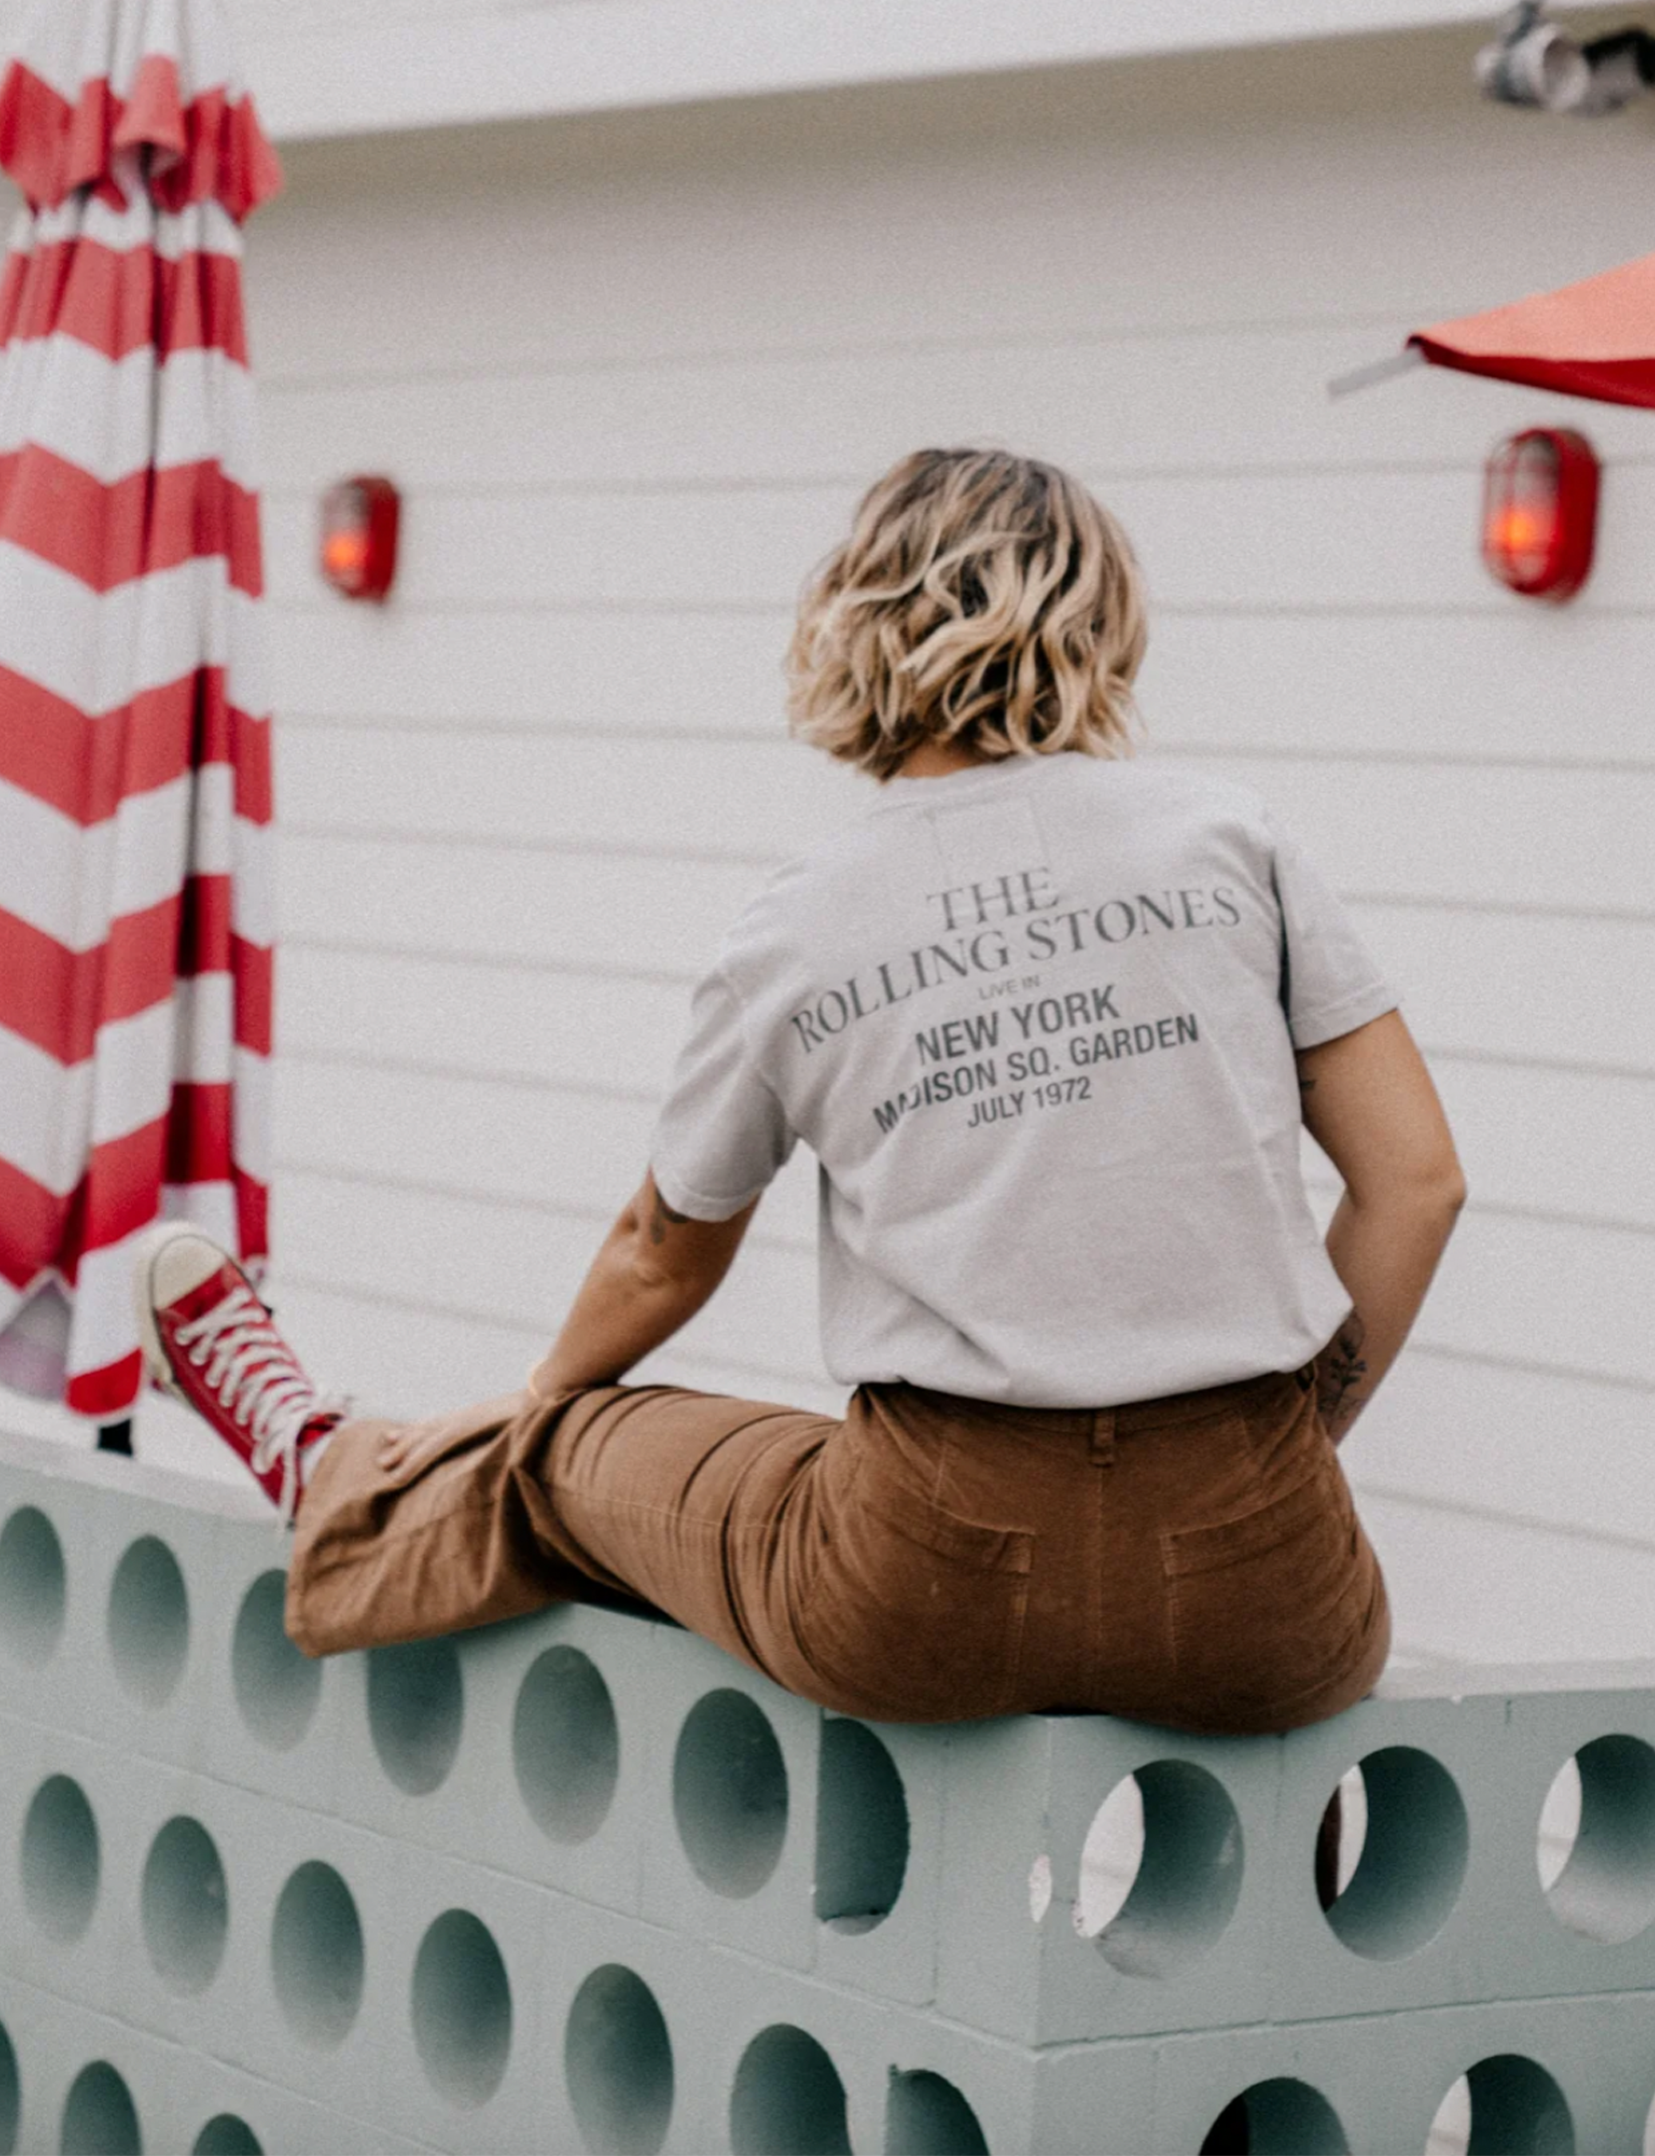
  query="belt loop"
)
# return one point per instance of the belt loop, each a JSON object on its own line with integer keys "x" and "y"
{"x": 1103, "y": 1436}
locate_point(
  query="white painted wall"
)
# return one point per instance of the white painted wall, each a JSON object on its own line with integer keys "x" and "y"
{"x": 631, "y": 372}
{"x": 321, "y": 69}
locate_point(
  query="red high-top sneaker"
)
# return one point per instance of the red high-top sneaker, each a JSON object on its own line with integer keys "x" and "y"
{"x": 209, "y": 1340}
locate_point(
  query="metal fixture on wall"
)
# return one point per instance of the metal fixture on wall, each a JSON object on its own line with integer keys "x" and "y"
{"x": 1540, "y": 507}
{"x": 1533, "y": 62}
{"x": 358, "y": 555}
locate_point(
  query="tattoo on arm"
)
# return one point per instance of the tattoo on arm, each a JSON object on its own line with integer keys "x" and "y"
{"x": 1341, "y": 1374}
{"x": 663, "y": 1218}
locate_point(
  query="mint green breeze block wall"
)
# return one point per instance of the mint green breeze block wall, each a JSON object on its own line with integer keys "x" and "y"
{"x": 583, "y": 1883}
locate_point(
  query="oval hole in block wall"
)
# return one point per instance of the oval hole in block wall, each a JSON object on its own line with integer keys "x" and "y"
{"x": 1161, "y": 1869}
{"x": 1408, "y": 1874}
{"x": 149, "y": 1621}
{"x": 276, "y": 1686}
{"x": 99, "y": 2116}
{"x": 729, "y": 1793}
{"x": 861, "y": 1828}
{"x": 11, "y": 2095}
{"x": 617, "y": 2062}
{"x": 416, "y": 1710}
{"x": 1597, "y": 1838}
{"x": 60, "y": 1860}
{"x": 461, "y": 2009}
{"x": 1504, "y": 2106}
{"x": 226, "y": 2135}
{"x": 184, "y": 1906}
{"x": 33, "y": 1586}
{"x": 316, "y": 1955}
{"x": 927, "y": 2116}
{"x": 565, "y": 1745}
{"x": 787, "y": 2098}
{"x": 1281, "y": 2117}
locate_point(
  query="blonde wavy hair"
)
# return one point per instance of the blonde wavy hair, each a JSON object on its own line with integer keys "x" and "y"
{"x": 981, "y": 599}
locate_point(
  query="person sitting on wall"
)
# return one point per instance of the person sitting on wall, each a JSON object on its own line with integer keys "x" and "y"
{"x": 1050, "y": 1020}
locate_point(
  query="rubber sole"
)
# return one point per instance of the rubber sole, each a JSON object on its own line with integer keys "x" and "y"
{"x": 153, "y": 1242}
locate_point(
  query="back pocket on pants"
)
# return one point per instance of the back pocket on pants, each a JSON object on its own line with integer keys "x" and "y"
{"x": 916, "y": 1614}
{"x": 1265, "y": 1605}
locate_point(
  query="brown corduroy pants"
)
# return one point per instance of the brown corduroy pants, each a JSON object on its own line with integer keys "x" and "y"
{"x": 1194, "y": 1561}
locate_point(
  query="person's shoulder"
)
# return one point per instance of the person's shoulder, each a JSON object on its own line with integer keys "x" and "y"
{"x": 794, "y": 893}
{"x": 1163, "y": 785}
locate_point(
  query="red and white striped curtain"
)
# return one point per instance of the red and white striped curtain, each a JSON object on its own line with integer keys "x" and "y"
{"x": 135, "y": 884}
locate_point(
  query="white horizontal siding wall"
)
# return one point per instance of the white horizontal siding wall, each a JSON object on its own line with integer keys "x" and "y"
{"x": 321, "y": 70}
{"x": 631, "y": 376}
{"x": 631, "y": 373}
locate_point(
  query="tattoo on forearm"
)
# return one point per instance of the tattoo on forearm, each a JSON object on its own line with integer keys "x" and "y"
{"x": 663, "y": 1218}
{"x": 1341, "y": 1376}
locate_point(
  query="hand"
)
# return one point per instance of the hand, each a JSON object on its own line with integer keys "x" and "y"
{"x": 543, "y": 1387}
{"x": 409, "y": 1444}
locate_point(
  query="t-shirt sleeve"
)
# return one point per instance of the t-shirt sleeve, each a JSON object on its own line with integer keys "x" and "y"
{"x": 721, "y": 1134}
{"x": 1330, "y": 983}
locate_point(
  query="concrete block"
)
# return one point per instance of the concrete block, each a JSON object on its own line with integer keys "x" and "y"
{"x": 1187, "y": 1949}
{"x": 94, "y": 1554}
{"x": 568, "y": 1708}
{"x": 1596, "y": 2050}
{"x": 241, "y": 1929}
{"x": 649, "y": 2039}
{"x": 730, "y": 1793}
{"x": 70, "y": 1833}
{"x": 274, "y": 1720}
{"x": 585, "y": 1882}
{"x": 645, "y": 2035}
{"x": 531, "y": 1740}
{"x": 160, "y": 1613}
{"x": 306, "y": 1988}
{"x": 42, "y": 2048}
{"x": 1321, "y": 2089}
{"x": 84, "y": 2080}
{"x": 624, "y": 2018}
{"x": 457, "y": 2026}
{"x": 149, "y": 1893}
{"x": 1572, "y": 2074}
{"x": 878, "y": 1856}
{"x": 50, "y": 1620}
{"x": 777, "y": 2059}
{"x": 182, "y": 2101}
{"x": 211, "y": 2110}
{"x": 1593, "y": 1927}
{"x": 1089, "y": 2097}
{"x": 1437, "y": 1910}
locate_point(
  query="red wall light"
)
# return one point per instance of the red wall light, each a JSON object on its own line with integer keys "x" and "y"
{"x": 359, "y": 536}
{"x": 1540, "y": 512}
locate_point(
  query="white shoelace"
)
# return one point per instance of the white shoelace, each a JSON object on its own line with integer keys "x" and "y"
{"x": 251, "y": 1369}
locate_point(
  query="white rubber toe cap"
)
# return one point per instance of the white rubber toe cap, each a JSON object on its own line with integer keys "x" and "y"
{"x": 170, "y": 1259}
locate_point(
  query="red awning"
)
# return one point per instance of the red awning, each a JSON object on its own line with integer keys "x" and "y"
{"x": 1592, "y": 339}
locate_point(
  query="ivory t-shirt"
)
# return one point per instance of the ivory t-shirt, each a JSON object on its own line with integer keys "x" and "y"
{"x": 1036, "y": 1020}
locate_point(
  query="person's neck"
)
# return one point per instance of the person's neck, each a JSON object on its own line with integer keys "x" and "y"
{"x": 936, "y": 760}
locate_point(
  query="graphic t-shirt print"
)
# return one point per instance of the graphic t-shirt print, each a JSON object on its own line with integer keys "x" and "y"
{"x": 1049, "y": 1022}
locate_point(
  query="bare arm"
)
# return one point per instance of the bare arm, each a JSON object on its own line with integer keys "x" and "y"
{"x": 651, "y": 1275}
{"x": 653, "y": 1272}
{"x": 1370, "y": 1105}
